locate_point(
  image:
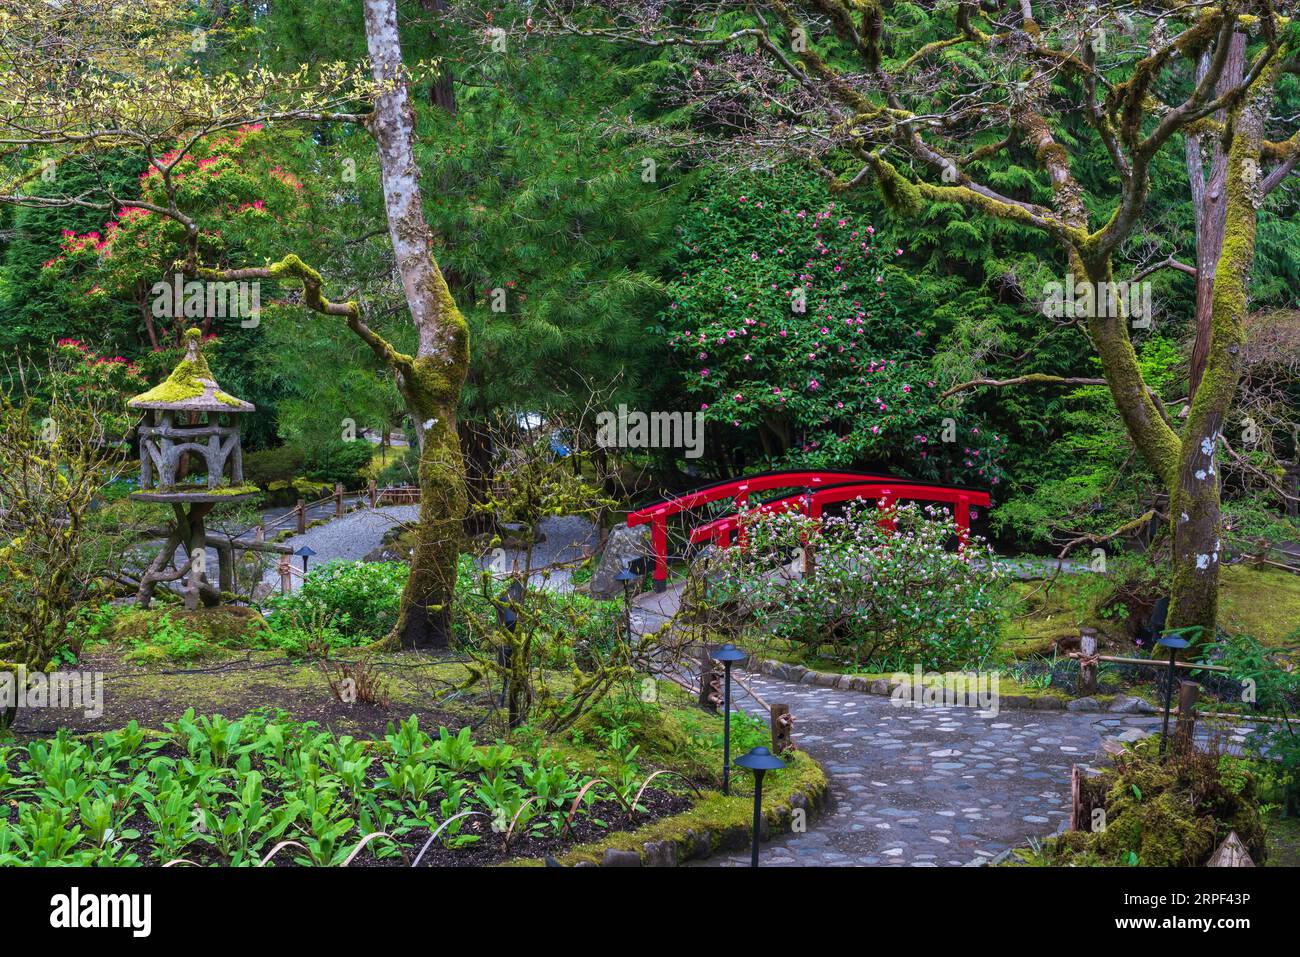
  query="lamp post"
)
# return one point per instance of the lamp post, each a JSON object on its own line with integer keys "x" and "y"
{"x": 1173, "y": 643}
{"x": 627, "y": 577}
{"x": 305, "y": 553}
{"x": 760, "y": 761}
{"x": 728, "y": 654}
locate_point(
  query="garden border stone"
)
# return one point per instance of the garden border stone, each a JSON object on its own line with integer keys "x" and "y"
{"x": 885, "y": 688}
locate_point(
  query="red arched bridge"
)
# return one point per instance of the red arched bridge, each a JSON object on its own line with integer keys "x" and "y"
{"x": 818, "y": 489}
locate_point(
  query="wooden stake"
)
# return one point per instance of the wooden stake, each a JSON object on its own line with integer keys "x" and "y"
{"x": 338, "y": 499}
{"x": 782, "y": 726}
{"x": 302, "y": 516}
{"x": 1087, "y": 661}
{"x": 1185, "y": 730}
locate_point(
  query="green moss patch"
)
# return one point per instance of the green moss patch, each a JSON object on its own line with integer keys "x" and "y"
{"x": 1263, "y": 602}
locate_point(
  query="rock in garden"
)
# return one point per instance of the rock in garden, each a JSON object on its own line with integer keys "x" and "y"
{"x": 624, "y": 545}
{"x": 1084, "y": 704}
{"x": 1127, "y": 704}
{"x": 616, "y": 858}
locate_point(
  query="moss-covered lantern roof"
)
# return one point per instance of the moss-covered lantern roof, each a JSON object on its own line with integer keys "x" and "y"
{"x": 190, "y": 387}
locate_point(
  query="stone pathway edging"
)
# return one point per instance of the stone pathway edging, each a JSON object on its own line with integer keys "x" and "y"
{"x": 884, "y": 687}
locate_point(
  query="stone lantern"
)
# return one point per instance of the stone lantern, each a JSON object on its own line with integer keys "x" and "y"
{"x": 189, "y": 414}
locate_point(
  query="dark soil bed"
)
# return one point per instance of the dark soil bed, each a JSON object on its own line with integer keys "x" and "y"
{"x": 158, "y": 693}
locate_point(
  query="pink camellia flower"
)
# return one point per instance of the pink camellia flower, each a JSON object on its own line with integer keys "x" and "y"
{"x": 875, "y": 429}
{"x": 747, "y": 357}
{"x": 703, "y": 373}
{"x": 907, "y": 388}
{"x": 704, "y": 406}
{"x": 738, "y": 397}
{"x": 783, "y": 333}
{"x": 813, "y": 384}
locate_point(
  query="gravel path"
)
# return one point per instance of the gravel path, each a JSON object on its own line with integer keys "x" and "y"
{"x": 350, "y": 538}
{"x": 565, "y": 538}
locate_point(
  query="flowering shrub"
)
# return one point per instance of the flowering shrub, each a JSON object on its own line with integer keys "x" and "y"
{"x": 783, "y": 324}
{"x": 102, "y": 382}
{"x": 243, "y": 198}
{"x": 886, "y": 597}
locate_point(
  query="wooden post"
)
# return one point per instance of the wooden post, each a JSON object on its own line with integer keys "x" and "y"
{"x": 1087, "y": 661}
{"x": 782, "y": 725}
{"x": 285, "y": 584}
{"x": 710, "y": 684}
{"x": 338, "y": 499}
{"x": 1076, "y": 800}
{"x": 1185, "y": 730}
{"x": 225, "y": 565}
{"x": 192, "y": 592}
{"x": 302, "y": 516}
{"x": 372, "y": 491}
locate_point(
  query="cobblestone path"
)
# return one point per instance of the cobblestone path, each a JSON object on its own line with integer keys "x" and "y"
{"x": 932, "y": 786}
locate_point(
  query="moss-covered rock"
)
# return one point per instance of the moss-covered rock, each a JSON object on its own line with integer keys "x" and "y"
{"x": 1171, "y": 813}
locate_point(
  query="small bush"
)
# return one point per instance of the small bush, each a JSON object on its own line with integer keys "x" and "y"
{"x": 341, "y": 462}
{"x": 401, "y": 471}
{"x": 281, "y": 464}
{"x": 361, "y": 600}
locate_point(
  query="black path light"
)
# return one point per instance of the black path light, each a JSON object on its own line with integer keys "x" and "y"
{"x": 1173, "y": 643}
{"x": 627, "y": 577}
{"x": 760, "y": 761}
{"x": 305, "y": 553}
{"x": 728, "y": 654}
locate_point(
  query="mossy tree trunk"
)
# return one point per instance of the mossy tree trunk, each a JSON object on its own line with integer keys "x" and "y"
{"x": 1195, "y": 491}
{"x": 431, "y": 381}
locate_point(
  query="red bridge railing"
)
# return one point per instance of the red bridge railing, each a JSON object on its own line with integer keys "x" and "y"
{"x": 821, "y": 488}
